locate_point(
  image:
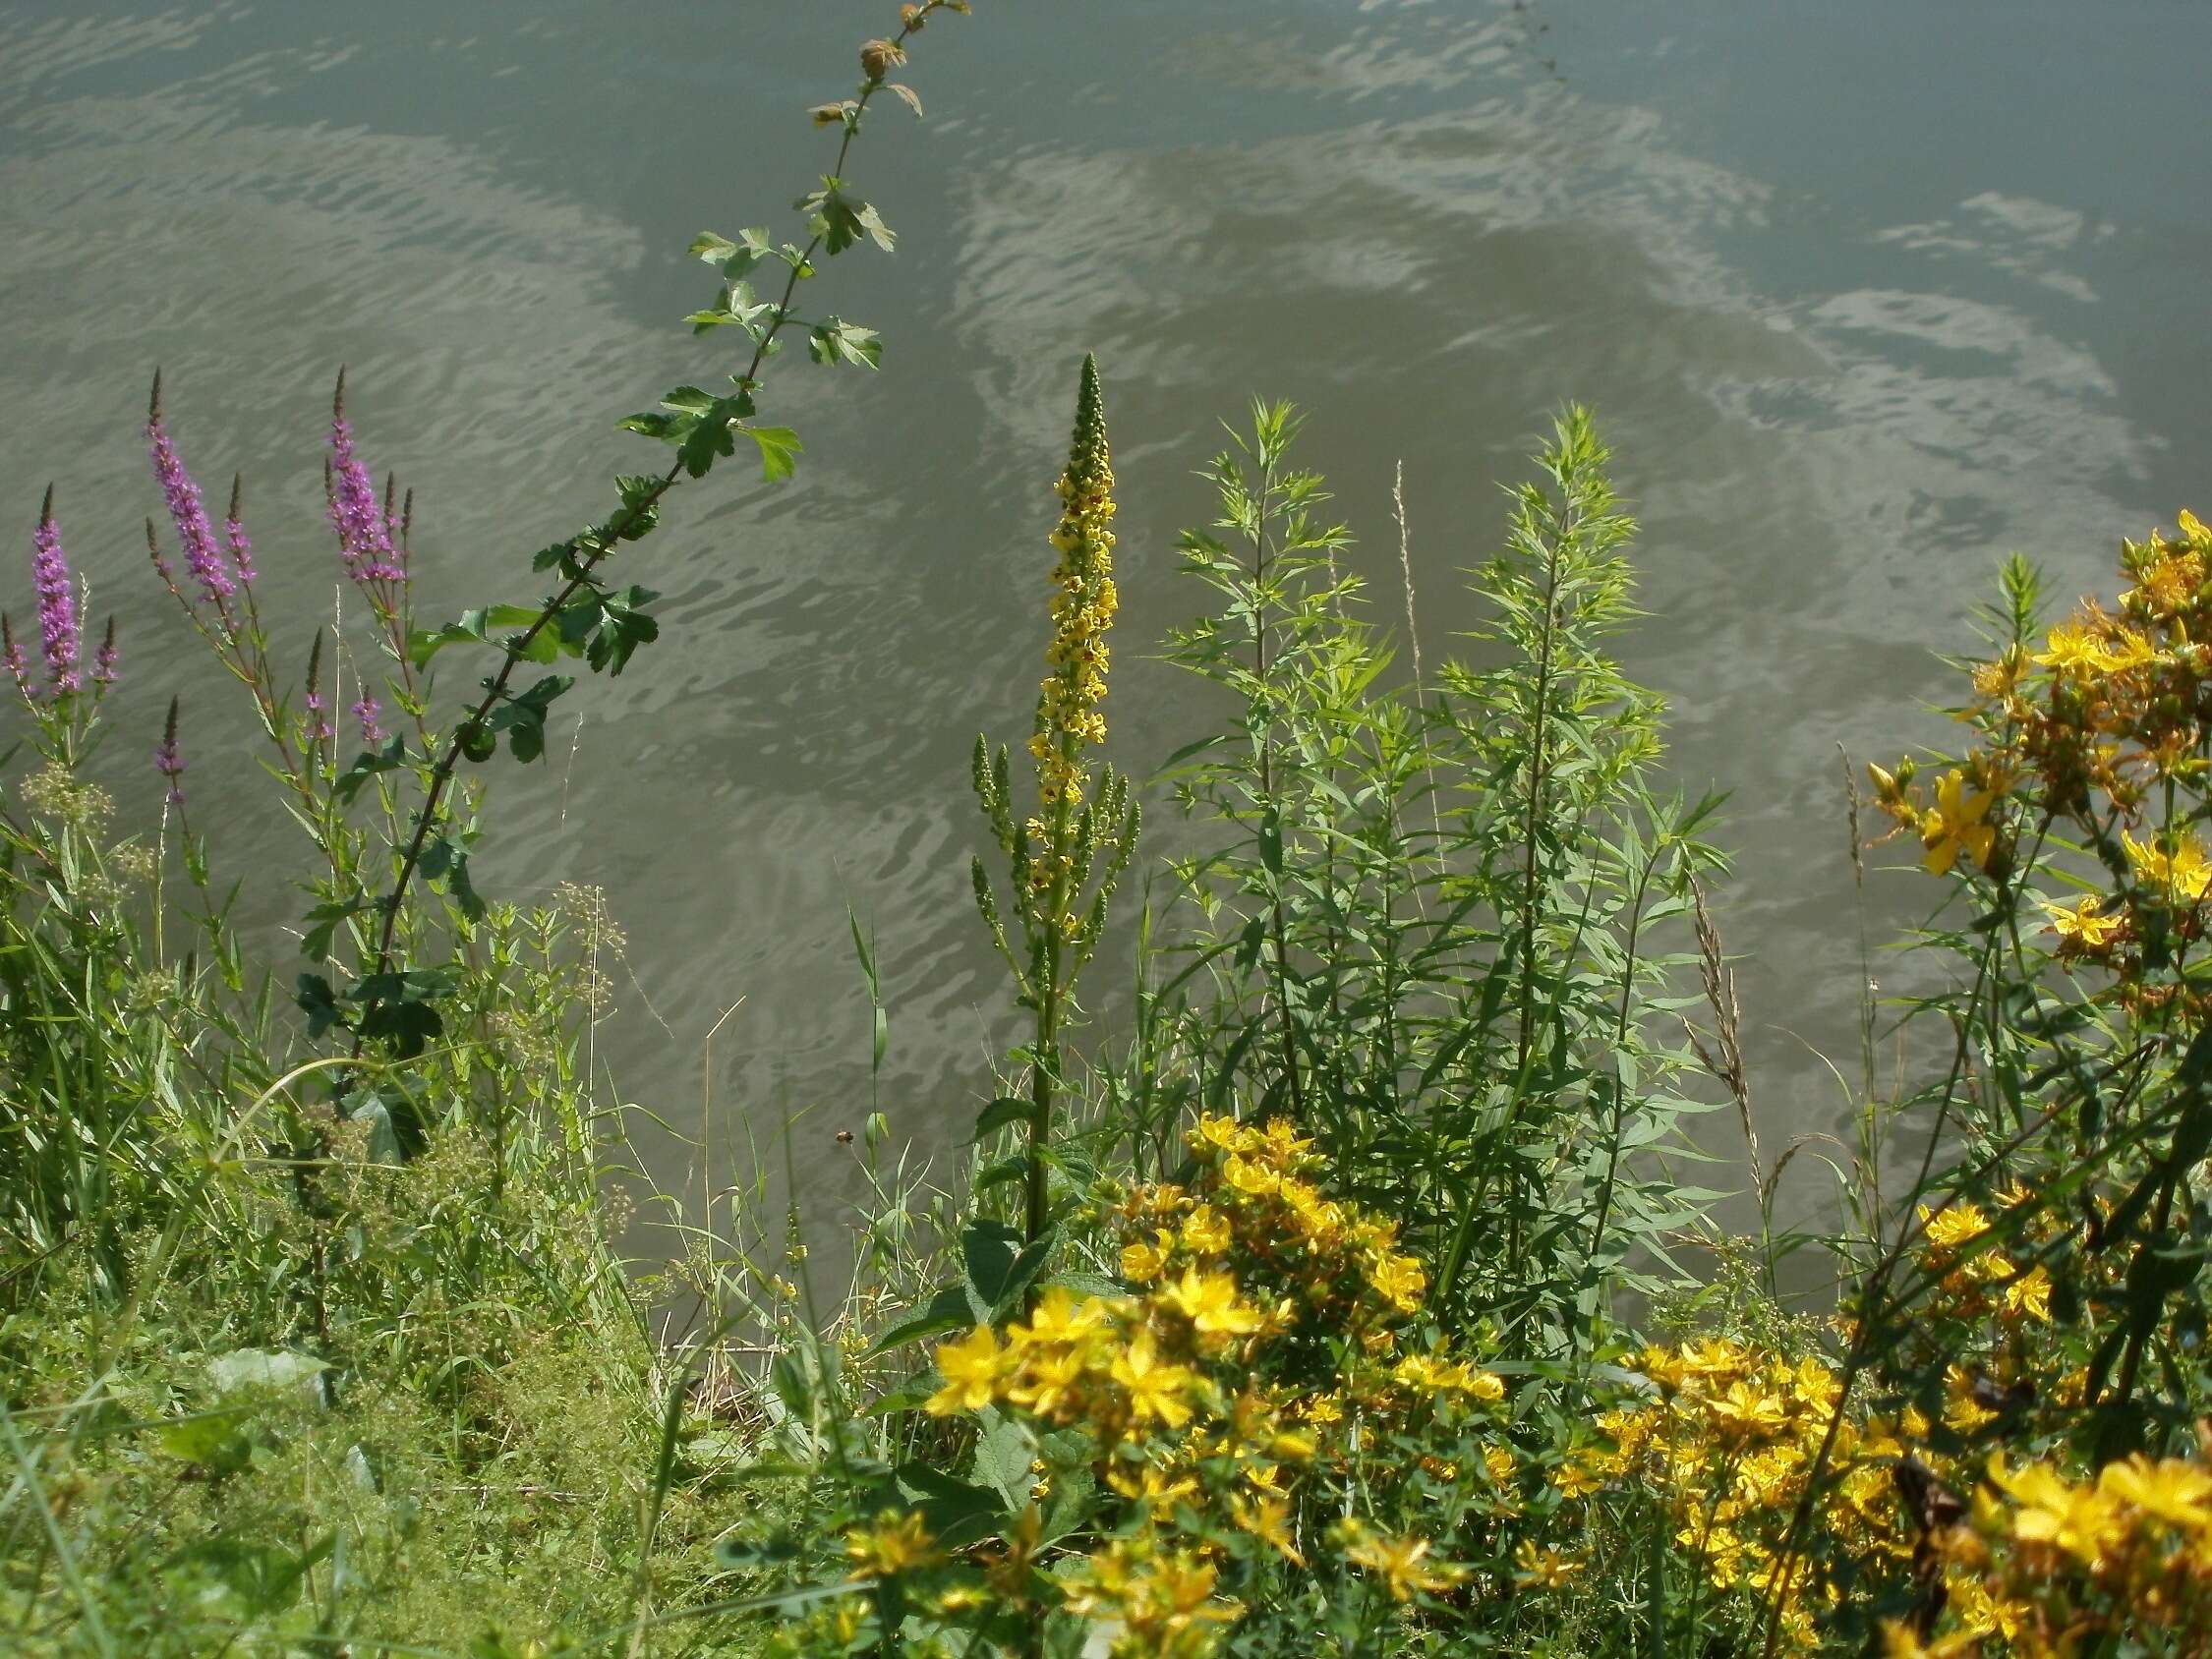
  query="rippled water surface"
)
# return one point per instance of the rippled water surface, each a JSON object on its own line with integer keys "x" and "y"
{"x": 1866, "y": 296}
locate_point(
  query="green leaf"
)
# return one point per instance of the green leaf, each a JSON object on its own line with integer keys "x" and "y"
{"x": 323, "y": 921}
{"x": 1006, "y": 1109}
{"x": 262, "y": 1368}
{"x": 947, "y": 1310}
{"x": 210, "y": 1439}
{"x": 779, "y": 449}
{"x": 955, "y": 1511}
{"x": 315, "y": 999}
{"x": 836, "y": 340}
{"x": 445, "y": 859}
{"x": 1003, "y": 1452}
{"x": 261, "y": 1580}
{"x": 988, "y": 1249}
{"x": 368, "y": 765}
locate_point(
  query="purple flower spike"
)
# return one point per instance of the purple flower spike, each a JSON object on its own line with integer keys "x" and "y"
{"x": 319, "y": 727}
{"x": 104, "y": 659}
{"x": 167, "y": 761}
{"x": 59, "y": 635}
{"x": 367, "y": 710}
{"x": 364, "y": 532}
{"x": 186, "y": 510}
{"x": 12, "y": 658}
{"x": 234, "y": 533}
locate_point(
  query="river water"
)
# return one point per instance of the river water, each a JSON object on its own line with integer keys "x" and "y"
{"x": 1865, "y": 296}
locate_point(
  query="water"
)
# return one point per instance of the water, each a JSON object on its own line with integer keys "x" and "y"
{"x": 1865, "y": 297}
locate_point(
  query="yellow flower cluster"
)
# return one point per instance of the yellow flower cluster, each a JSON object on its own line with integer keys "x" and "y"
{"x": 2048, "y": 1567}
{"x": 1262, "y": 1340}
{"x": 1338, "y": 1256}
{"x": 1972, "y": 1276}
{"x": 2111, "y": 715}
{"x": 1729, "y": 1443}
{"x": 1083, "y": 603}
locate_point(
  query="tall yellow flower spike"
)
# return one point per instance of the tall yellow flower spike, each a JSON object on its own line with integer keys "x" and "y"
{"x": 1083, "y": 603}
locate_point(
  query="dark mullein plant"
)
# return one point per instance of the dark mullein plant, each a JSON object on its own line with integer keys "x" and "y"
{"x": 1067, "y": 856}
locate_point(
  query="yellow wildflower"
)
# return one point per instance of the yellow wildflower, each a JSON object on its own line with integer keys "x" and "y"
{"x": 2172, "y": 1489}
{"x": 2083, "y": 926}
{"x": 1142, "y": 1263}
{"x": 2081, "y": 1521}
{"x": 894, "y": 1544}
{"x": 1956, "y": 823}
{"x": 971, "y": 1368}
{"x": 1545, "y": 1568}
{"x": 1209, "y": 1301}
{"x": 1400, "y": 1280}
{"x": 2030, "y": 1293}
{"x": 1250, "y": 1177}
{"x": 1268, "y": 1518}
{"x": 1156, "y": 1388}
{"x": 2183, "y": 874}
{"x": 1402, "y": 1563}
{"x": 1954, "y": 1226}
{"x": 2074, "y": 649}
{"x": 1205, "y": 1231}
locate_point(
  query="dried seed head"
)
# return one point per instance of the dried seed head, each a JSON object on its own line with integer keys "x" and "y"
{"x": 877, "y": 58}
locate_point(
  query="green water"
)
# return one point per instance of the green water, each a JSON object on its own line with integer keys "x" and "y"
{"x": 1865, "y": 294}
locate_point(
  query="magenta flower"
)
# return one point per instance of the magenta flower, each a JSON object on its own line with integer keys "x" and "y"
{"x": 202, "y": 558}
{"x": 234, "y": 534}
{"x": 167, "y": 761}
{"x": 59, "y": 634}
{"x": 365, "y": 710}
{"x": 364, "y": 528}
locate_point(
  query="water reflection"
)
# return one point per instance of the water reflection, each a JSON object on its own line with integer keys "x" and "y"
{"x": 1427, "y": 222}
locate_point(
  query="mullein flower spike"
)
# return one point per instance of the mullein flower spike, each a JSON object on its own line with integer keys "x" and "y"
{"x": 59, "y": 632}
{"x": 187, "y": 511}
{"x": 1084, "y": 601}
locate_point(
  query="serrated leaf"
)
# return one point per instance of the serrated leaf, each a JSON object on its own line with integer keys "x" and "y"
{"x": 779, "y": 448}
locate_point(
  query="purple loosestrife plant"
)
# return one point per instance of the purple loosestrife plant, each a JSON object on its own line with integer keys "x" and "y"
{"x": 367, "y": 710}
{"x": 364, "y": 528}
{"x": 104, "y": 662}
{"x": 188, "y": 512}
{"x": 60, "y": 634}
{"x": 234, "y": 534}
{"x": 12, "y": 658}
{"x": 168, "y": 760}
